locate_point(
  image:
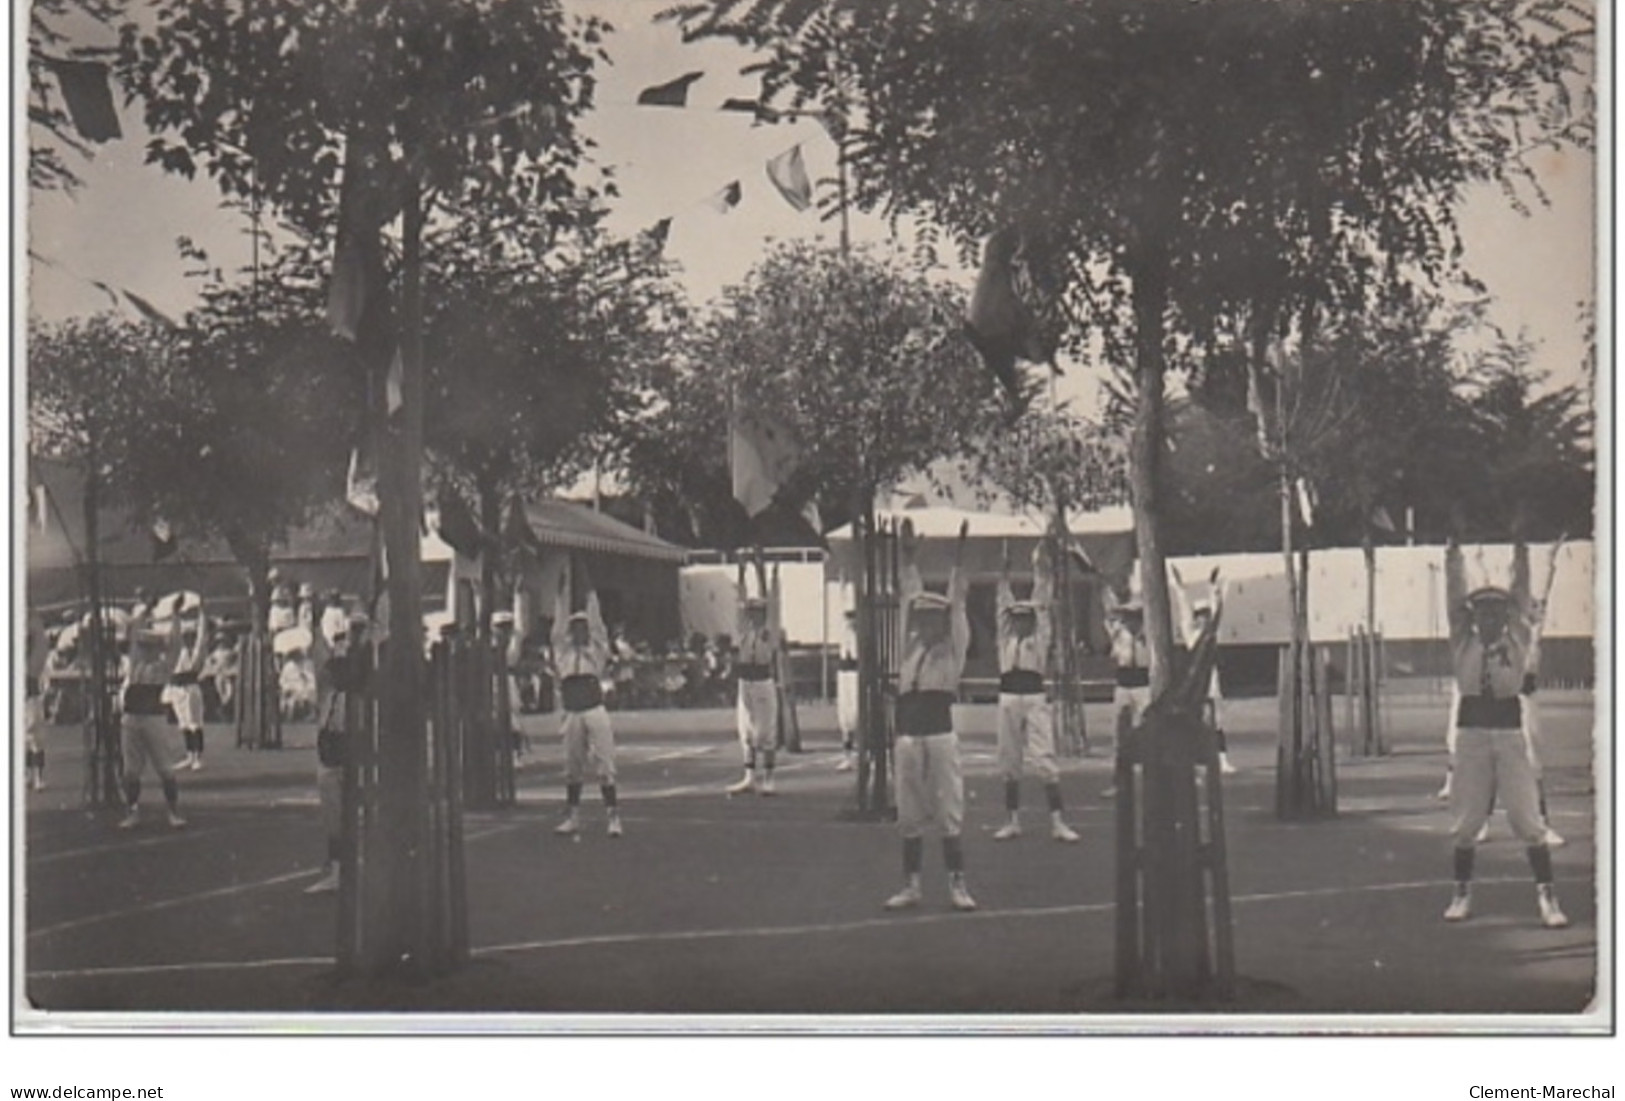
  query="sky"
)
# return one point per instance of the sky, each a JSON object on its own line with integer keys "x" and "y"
{"x": 121, "y": 227}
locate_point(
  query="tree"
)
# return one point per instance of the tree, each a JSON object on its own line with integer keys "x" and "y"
{"x": 425, "y": 102}
{"x": 1538, "y": 478}
{"x": 51, "y": 131}
{"x": 260, "y": 421}
{"x": 97, "y": 392}
{"x": 847, "y": 352}
{"x": 1175, "y": 166}
{"x": 537, "y": 350}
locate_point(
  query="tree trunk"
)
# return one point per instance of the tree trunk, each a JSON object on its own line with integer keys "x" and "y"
{"x": 490, "y": 505}
{"x": 1145, "y": 461}
{"x": 402, "y": 750}
{"x": 102, "y": 778}
{"x": 1174, "y": 959}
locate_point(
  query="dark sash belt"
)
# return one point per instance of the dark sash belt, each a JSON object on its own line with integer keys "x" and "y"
{"x": 1021, "y": 682}
{"x": 754, "y": 671}
{"x": 1134, "y": 676}
{"x": 144, "y": 699}
{"x": 848, "y": 665}
{"x": 184, "y": 678}
{"x": 1489, "y": 712}
{"x": 581, "y": 692}
{"x": 31, "y": 687}
{"x": 924, "y": 713}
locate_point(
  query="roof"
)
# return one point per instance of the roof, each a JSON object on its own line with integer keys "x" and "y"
{"x": 563, "y": 524}
{"x": 943, "y": 523}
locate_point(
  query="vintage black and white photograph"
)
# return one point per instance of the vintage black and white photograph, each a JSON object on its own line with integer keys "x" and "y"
{"x": 826, "y": 515}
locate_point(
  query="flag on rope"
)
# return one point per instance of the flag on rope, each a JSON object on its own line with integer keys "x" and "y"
{"x": 108, "y": 291}
{"x": 1000, "y": 325}
{"x": 726, "y": 199}
{"x": 762, "y": 455}
{"x": 163, "y": 540}
{"x": 39, "y": 508}
{"x": 361, "y": 485}
{"x": 394, "y": 398}
{"x": 89, "y": 96}
{"x": 788, "y": 173}
{"x": 358, "y": 305}
{"x": 659, "y": 233}
{"x": 150, "y": 312}
{"x": 814, "y": 518}
{"x": 1382, "y": 521}
{"x": 673, "y": 93}
{"x": 1306, "y": 501}
{"x": 457, "y": 526}
{"x": 762, "y": 112}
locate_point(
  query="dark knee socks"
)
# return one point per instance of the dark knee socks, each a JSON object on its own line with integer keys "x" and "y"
{"x": 953, "y": 854}
{"x": 1540, "y": 862}
{"x": 172, "y": 792}
{"x": 572, "y": 794}
{"x": 1464, "y": 865}
{"x": 1052, "y": 796}
{"x": 1012, "y": 795}
{"x": 132, "y": 791}
{"x": 913, "y": 855}
{"x": 608, "y": 792}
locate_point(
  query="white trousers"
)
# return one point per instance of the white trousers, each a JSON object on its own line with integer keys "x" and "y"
{"x": 1529, "y": 716}
{"x": 187, "y": 700}
{"x": 930, "y": 787}
{"x": 1026, "y": 730}
{"x": 846, "y": 704}
{"x": 145, "y": 739}
{"x": 1128, "y": 704}
{"x": 588, "y": 738}
{"x": 758, "y": 715}
{"x": 1493, "y": 763}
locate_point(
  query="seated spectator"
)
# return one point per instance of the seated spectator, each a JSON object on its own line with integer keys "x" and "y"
{"x": 297, "y": 681}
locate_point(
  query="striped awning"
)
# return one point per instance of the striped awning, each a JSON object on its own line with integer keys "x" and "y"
{"x": 568, "y": 526}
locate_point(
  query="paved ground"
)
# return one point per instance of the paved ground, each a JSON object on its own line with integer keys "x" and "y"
{"x": 764, "y": 906}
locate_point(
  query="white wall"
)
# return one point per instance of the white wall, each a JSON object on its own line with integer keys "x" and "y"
{"x": 709, "y": 598}
{"x": 1410, "y": 590}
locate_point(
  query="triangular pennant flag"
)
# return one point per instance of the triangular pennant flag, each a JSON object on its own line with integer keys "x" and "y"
{"x": 726, "y": 199}
{"x": 361, "y": 486}
{"x": 659, "y": 232}
{"x": 107, "y": 290}
{"x": 762, "y": 456}
{"x": 815, "y": 520}
{"x": 1382, "y": 521}
{"x": 150, "y": 312}
{"x": 39, "y": 508}
{"x": 788, "y": 172}
{"x": 999, "y": 325}
{"x": 1306, "y": 501}
{"x": 457, "y": 525}
{"x": 833, "y": 125}
{"x": 394, "y": 398}
{"x": 86, "y": 91}
{"x": 358, "y": 305}
{"x": 163, "y": 540}
{"x": 671, "y": 94}
{"x": 762, "y": 112}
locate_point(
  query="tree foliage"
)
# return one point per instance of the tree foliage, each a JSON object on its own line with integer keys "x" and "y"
{"x": 853, "y": 354}
{"x": 473, "y": 100}
{"x": 270, "y": 404}
{"x": 53, "y": 143}
{"x": 538, "y": 359}
{"x": 98, "y": 384}
{"x": 1049, "y": 458}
